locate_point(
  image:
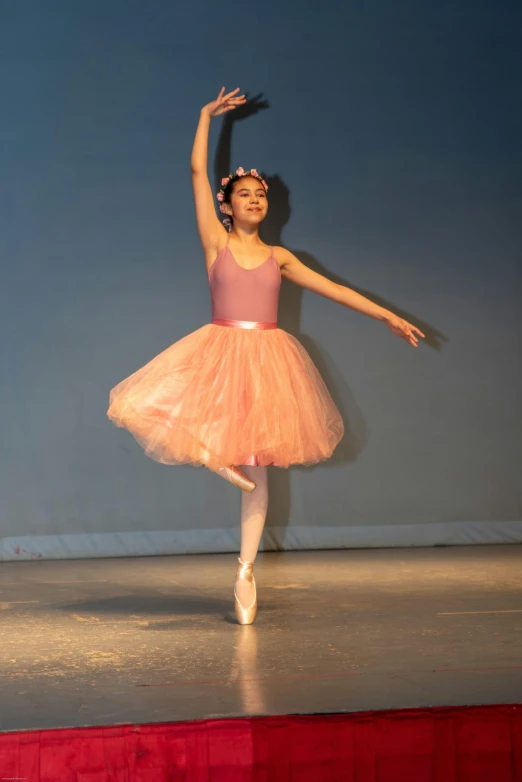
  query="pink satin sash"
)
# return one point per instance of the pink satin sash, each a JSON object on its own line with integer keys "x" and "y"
{"x": 243, "y": 324}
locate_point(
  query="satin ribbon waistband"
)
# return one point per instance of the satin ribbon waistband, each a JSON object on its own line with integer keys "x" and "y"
{"x": 244, "y": 324}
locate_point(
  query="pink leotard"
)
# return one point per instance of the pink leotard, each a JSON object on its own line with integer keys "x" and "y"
{"x": 244, "y": 294}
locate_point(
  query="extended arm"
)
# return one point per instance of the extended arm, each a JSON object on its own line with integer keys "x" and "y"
{"x": 295, "y": 271}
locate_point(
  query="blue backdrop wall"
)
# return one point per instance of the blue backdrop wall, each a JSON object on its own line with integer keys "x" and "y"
{"x": 390, "y": 136}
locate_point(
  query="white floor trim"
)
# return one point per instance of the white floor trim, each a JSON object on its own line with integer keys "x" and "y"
{"x": 152, "y": 543}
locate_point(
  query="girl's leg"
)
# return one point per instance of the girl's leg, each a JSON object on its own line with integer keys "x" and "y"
{"x": 254, "y": 506}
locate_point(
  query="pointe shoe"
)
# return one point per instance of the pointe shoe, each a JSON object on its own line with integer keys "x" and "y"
{"x": 236, "y": 476}
{"x": 245, "y": 616}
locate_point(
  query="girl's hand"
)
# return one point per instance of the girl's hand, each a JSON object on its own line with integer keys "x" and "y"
{"x": 224, "y": 102}
{"x": 403, "y": 329}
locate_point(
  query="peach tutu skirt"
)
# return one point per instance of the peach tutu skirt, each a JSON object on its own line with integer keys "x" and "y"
{"x": 222, "y": 396}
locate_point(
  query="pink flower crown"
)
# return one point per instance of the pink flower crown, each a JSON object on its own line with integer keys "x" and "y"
{"x": 239, "y": 172}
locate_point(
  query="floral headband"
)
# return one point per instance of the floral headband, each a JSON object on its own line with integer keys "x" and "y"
{"x": 230, "y": 177}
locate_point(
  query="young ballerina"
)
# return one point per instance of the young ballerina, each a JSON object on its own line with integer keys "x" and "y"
{"x": 240, "y": 394}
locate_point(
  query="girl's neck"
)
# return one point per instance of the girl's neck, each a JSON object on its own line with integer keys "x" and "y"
{"x": 242, "y": 237}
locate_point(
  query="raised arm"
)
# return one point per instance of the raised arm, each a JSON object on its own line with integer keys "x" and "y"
{"x": 209, "y": 226}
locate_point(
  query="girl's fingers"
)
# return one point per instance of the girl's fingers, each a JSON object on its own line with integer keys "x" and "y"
{"x": 229, "y": 94}
{"x": 234, "y": 100}
{"x": 414, "y": 328}
{"x": 411, "y": 334}
{"x": 232, "y": 103}
{"x": 408, "y": 337}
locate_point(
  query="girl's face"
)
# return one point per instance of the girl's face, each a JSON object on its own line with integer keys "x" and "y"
{"x": 248, "y": 200}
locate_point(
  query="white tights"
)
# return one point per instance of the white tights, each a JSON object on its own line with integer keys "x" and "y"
{"x": 254, "y": 506}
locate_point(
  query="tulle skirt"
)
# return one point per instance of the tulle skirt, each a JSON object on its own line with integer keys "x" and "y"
{"x": 222, "y": 396}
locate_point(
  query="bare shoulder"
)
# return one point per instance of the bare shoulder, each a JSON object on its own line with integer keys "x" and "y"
{"x": 299, "y": 273}
{"x": 283, "y": 256}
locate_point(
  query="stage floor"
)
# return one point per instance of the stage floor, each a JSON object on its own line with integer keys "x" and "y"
{"x": 141, "y": 640}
